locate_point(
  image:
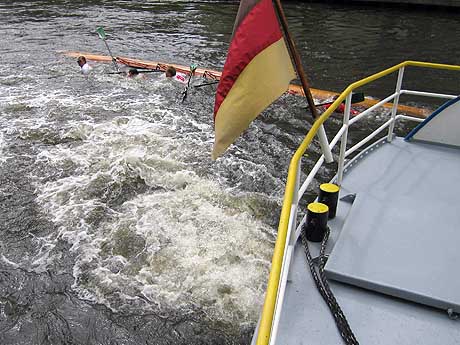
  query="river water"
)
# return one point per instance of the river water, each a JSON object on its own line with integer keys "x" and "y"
{"x": 116, "y": 227}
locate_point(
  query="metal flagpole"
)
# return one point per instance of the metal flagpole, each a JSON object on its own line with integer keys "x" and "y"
{"x": 306, "y": 88}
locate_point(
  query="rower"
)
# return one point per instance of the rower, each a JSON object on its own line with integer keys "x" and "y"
{"x": 85, "y": 68}
{"x": 132, "y": 73}
{"x": 172, "y": 73}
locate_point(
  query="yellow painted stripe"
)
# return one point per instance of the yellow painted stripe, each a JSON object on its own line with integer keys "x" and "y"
{"x": 266, "y": 319}
{"x": 318, "y": 207}
{"x": 329, "y": 187}
{"x": 263, "y": 80}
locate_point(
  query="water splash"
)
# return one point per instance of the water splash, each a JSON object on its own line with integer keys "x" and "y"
{"x": 144, "y": 225}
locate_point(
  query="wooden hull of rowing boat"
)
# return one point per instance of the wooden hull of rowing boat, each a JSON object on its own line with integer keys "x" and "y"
{"x": 215, "y": 75}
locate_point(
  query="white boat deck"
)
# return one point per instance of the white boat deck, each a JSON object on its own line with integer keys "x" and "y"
{"x": 425, "y": 178}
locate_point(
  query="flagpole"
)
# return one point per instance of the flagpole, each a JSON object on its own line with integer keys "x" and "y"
{"x": 306, "y": 88}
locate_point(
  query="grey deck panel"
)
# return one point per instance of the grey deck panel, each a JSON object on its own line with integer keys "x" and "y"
{"x": 405, "y": 247}
{"x": 376, "y": 318}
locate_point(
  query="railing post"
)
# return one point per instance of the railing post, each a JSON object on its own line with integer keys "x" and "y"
{"x": 294, "y": 207}
{"x": 395, "y": 104}
{"x": 324, "y": 143}
{"x": 343, "y": 140}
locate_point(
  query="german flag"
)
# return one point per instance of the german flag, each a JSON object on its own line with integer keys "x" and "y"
{"x": 257, "y": 71}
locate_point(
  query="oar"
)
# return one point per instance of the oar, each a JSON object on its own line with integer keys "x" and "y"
{"x": 206, "y": 84}
{"x": 100, "y": 31}
{"x": 192, "y": 72}
{"x": 139, "y": 71}
{"x": 355, "y": 98}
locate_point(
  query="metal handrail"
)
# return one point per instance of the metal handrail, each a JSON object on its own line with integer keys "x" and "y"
{"x": 291, "y": 197}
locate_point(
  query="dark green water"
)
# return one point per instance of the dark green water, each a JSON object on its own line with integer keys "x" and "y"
{"x": 115, "y": 225}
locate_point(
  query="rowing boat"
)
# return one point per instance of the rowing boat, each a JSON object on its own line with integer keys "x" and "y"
{"x": 294, "y": 89}
{"x": 374, "y": 259}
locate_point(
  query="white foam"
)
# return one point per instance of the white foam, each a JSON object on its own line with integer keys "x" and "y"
{"x": 9, "y": 262}
{"x": 3, "y": 156}
{"x": 186, "y": 242}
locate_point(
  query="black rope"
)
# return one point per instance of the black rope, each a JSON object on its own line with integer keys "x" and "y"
{"x": 323, "y": 287}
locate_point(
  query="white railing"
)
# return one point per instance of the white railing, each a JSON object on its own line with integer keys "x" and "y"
{"x": 288, "y": 230}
